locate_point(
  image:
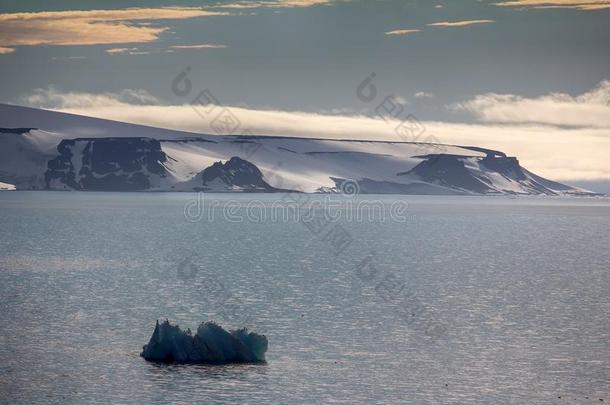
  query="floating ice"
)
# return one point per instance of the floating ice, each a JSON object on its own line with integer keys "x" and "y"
{"x": 211, "y": 344}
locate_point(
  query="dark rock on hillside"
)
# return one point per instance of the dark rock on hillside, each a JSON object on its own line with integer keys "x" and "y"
{"x": 19, "y": 131}
{"x": 507, "y": 166}
{"x": 235, "y": 175}
{"x": 495, "y": 173}
{"x": 449, "y": 171}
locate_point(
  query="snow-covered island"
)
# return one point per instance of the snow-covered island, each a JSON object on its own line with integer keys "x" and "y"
{"x": 47, "y": 150}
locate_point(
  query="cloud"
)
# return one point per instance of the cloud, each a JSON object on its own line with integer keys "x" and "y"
{"x": 441, "y": 24}
{"x": 402, "y": 32}
{"x": 6, "y": 50}
{"x": 577, "y": 4}
{"x": 423, "y": 94}
{"x": 276, "y": 4}
{"x": 68, "y": 57}
{"x": 400, "y": 100}
{"x": 200, "y": 46}
{"x": 138, "y": 51}
{"x": 559, "y": 153}
{"x": 459, "y": 23}
{"x": 91, "y": 27}
{"x": 51, "y": 98}
{"x": 590, "y": 109}
{"x": 114, "y": 51}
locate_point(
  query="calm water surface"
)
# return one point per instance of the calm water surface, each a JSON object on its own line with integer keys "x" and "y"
{"x": 489, "y": 300}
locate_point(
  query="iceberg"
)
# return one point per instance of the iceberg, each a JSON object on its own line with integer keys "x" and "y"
{"x": 210, "y": 345}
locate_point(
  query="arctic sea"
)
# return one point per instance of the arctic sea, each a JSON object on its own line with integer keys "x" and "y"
{"x": 460, "y": 300}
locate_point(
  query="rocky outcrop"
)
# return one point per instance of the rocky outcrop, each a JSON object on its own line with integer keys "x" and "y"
{"x": 234, "y": 175}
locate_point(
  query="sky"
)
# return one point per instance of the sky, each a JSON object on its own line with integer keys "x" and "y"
{"x": 528, "y": 77}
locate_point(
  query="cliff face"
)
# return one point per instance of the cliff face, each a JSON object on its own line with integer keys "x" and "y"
{"x": 106, "y": 164}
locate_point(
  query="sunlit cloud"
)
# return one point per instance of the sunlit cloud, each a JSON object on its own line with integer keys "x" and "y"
{"x": 590, "y": 109}
{"x": 402, "y": 32}
{"x": 6, "y": 50}
{"x": 51, "y": 98}
{"x": 129, "y": 51}
{"x": 138, "y": 51}
{"x": 459, "y": 23}
{"x": 577, "y": 4}
{"x": 276, "y": 4}
{"x": 556, "y": 152}
{"x": 199, "y": 46}
{"x": 91, "y": 27}
{"x": 423, "y": 94}
{"x": 68, "y": 58}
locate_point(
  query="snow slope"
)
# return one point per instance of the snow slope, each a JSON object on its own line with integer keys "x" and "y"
{"x": 24, "y": 153}
{"x": 7, "y": 187}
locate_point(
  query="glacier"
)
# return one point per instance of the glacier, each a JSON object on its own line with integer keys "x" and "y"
{"x": 211, "y": 344}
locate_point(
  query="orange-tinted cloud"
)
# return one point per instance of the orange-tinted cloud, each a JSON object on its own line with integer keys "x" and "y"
{"x": 199, "y": 46}
{"x": 459, "y": 23}
{"x": 402, "y": 32}
{"x": 577, "y": 4}
{"x": 275, "y": 4}
{"x": 91, "y": 27}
